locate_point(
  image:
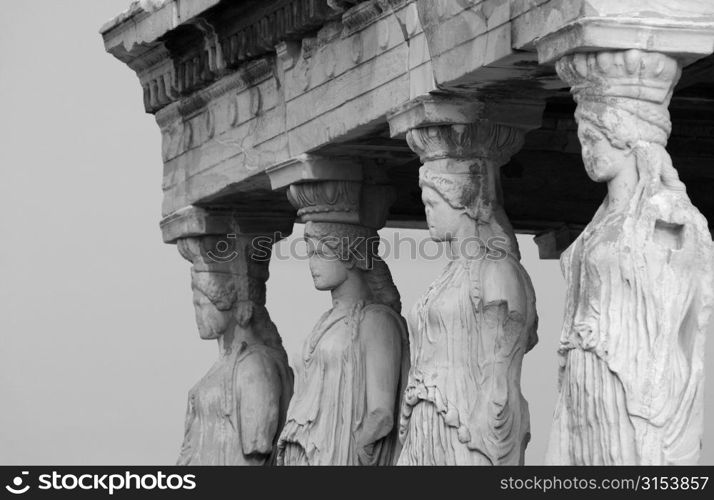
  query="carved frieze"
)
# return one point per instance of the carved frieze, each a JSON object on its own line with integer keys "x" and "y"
{"x": 204, "y": 48}
{"x": 285, "y": 20}
{"x": 192, "y": 122}
{"x": 200, "y": 51}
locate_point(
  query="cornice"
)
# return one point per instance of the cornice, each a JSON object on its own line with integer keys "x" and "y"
{"x": 177, "y": 55}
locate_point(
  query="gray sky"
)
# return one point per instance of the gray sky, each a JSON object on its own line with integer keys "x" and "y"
{"x": 98, "y": 344}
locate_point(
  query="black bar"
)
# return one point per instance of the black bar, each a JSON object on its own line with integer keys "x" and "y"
{"x": 437, "y": 483}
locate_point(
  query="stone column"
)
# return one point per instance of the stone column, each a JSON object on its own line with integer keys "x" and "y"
{"x": 355, "y": 362}
{"x": 640, "y": 275}
{"x": 468, "y": 334}
{"x": 251, "y": 382}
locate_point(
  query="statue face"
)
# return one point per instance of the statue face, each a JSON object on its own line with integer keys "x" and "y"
{"x": 328, "y": 272}
{"x": 602, "y": 160}
{"x": 211, "y": 321}
{"x": 443, "y": 219}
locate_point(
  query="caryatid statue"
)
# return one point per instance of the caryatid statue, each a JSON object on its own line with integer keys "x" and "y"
{"x": 469, "y": 331}
{"x": 235, "y": 412}
{"x": 639, "y": 277}
{"x": 354, "y": 364}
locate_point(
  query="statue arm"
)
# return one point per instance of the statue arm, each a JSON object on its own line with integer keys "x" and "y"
{"x": 382, "y": 346}
{"x": 259, "y": 404}
{"x": 502, "y": 283}
{"x": 494, "y": 424}
{"x": 505, "y": 302}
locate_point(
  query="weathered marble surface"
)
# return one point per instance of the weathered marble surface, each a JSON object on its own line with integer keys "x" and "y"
{"x": 639, "y": 278}
{"x": 468, "y": 333}
{"x": 238, "y": 91}
{"x": 354, "y": 364}
{"x": 236, "y": 410}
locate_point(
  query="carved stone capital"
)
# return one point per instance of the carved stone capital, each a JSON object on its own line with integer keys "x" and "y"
{"x": 633, "y": 74}
{"x": 482, "y": 139}
{"x": 338, "y": 190}
{"x": 439, "y": 128}
{"x": 446, "y": 110}
{"x": 625, "y": 90}
{"x": 448, "y": 134}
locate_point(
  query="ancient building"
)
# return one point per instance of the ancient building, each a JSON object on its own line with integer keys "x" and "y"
{"x": 501, "y": 116}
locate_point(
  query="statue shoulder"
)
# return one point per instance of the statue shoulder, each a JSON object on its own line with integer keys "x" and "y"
{"x": 380, "y": 319}
{"x": 504, "y": 280}
{"x": 258, "y": 360}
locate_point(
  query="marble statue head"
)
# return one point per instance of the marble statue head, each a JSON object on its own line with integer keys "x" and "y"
{"x": 339, "y": 252}
{"x": 451, "y": 199}
{"x": 214, "y": 297}
{"x": 442, "y": 218}
{"x": 622, "y": 106}
{"x": 460, "y": 177}
{"x": 226, "y": 293}
{"x": 327, "y": 269}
